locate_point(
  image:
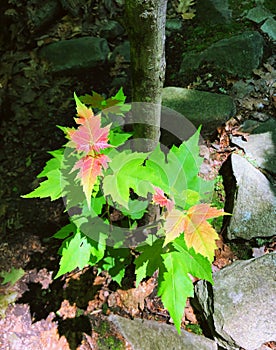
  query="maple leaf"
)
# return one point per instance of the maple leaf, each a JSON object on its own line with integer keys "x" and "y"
{"x": 160, "y": 198}
{"x": 175, "y": 286}
{"x": 89, "y": 169}
{"x": 198, "y": 233}
{"x": 83, "y": 112}
{"x": 95, "y": 100}
{"x": 174, "y": 225}
{"x": 149, "y": 260}
{"x": 75, "y": 253}
{"x": 128, "y": 172}
{"x": 178, "y": 171}
{"x": 53, "y": 186}
{"x": 90, "y": 137}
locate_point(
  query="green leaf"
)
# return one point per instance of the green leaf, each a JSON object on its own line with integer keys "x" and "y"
{"x": 117, "y": 272}
{"x": 198, "y": 265}
{"x": 96, "y": 207}
{"x": 181, "y": 172}
{"x": 13, "y": 276}
{"x": 49, "y": 188}
{"x": 177, "y": 174}
{"x": 157, "y": 165}
{"x": 75, "y": 254}
{"x": 118, "y": 138}
{"x": 128, "y": 172}
{"x": 65, "y": 231}
{"x": 175, "y": 286}
{"x": 66, "y": 131}
{"x": 136, "y": 209}
{"x": 53, "y": 186}
{"x": 184, "y": 164}
{"x": 120, "y": 96}
{"x": 116, "y": 262}
{"x": 97, "y": 248}
{"x": 149, "y": 260}
{"x": 53, "y": 163}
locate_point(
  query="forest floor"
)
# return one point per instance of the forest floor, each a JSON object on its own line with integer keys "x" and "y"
{"x": 47, "y": 312}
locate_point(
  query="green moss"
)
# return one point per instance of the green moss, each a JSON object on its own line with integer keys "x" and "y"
{"x": 195, "y": 328}
{"x": 218, "y": 201}
{"x": 242, "y": 250}
{"x": 108, "y": 341}
{"x": 239, "y": 7}
{"x": 270, "y": 5}
{"x": 199, "y": 37}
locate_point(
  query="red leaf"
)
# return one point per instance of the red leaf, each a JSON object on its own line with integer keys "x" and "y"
{"x": 160, "y": 198}
{"x": 90, "y": 136}
{"x": 89, "y": 169}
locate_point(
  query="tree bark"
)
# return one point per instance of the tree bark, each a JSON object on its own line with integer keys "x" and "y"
{"x": 145, "y": 24}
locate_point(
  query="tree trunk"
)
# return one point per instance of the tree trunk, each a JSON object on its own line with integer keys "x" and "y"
{"x": 145, "y": 24}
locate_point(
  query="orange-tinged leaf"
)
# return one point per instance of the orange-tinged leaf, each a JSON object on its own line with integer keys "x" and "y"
{"x": 174, "y": 225}
{"x": 201, "y": 237}
{"x": 83, "y": 112}
{"x": 204, "y": 211}
{"x": 90, "y": 136}
{"x": 199, "y": 233}
{"x": 90, "y": 167}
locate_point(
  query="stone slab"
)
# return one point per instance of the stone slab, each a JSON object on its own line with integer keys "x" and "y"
{"x": 152, "y": 335}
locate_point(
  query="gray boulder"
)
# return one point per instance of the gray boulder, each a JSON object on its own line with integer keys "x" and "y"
{"x": 240, "y": 306}
{"x": 75, "y": 54}
{"x": 269, "y": 27}
{"x": 111, "y": 29}
{"x": 260, "y": 148}
{"x": 254, "y": 204}
{"x": 123, "y": 51}
{"x": 237, "y": 56}
{"x": 173, "y": 26}
{"x": 258, "y": 14}
{"x": 152, "y": 335}
{"x": 199, "y": 107}
{"x": 42, "y": 15}
{"x": 213, "y": 11}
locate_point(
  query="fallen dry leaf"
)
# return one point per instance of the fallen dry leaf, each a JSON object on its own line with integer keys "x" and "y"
{"x": 190, "y": 316}
{"x": 223, "y": 255}
{"x": 132, "y": 300}
{"x": 66, "y": 310}
{"x": 19, "y": 333}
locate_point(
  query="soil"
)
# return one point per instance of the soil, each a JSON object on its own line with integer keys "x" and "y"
{"x": 52, "y": 313}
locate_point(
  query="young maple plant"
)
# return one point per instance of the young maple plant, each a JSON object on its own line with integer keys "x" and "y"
{"x": 106, "y": 189}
